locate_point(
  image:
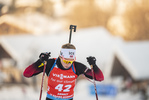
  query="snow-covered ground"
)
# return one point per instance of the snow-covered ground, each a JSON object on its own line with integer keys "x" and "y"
{"x": 82, "y": 92}
{"x": 19, "y": 93}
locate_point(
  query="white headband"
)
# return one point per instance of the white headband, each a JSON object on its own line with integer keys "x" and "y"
{"x": 68, "y": 53}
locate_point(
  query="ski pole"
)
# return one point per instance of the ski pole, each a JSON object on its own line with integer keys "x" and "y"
{"x": 45, "y": 63}
{"x": 94, "y": 82}
{"x": 71, "y": 27}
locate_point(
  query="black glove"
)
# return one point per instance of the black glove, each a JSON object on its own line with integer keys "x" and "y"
{"x": 91, "y": 60}
{"x": 44, "y": 56}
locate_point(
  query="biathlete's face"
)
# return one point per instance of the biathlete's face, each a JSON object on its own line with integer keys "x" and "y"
{"x": 66, "y": 62}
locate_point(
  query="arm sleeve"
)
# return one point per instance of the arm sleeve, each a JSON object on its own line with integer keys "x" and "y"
{"x": 82, "y": 69}
{"x": 37, "y": 68}
{"x": 33, "y": 69}
{"x": 97, "y": 73}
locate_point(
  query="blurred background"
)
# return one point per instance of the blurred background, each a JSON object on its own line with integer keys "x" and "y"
{"x": 116, "y": 32}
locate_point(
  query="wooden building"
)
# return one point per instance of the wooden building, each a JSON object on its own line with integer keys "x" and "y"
{"x": 130, "y": 61}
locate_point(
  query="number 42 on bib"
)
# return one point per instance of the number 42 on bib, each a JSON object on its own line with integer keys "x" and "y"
{"x": 61, "y": 87}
